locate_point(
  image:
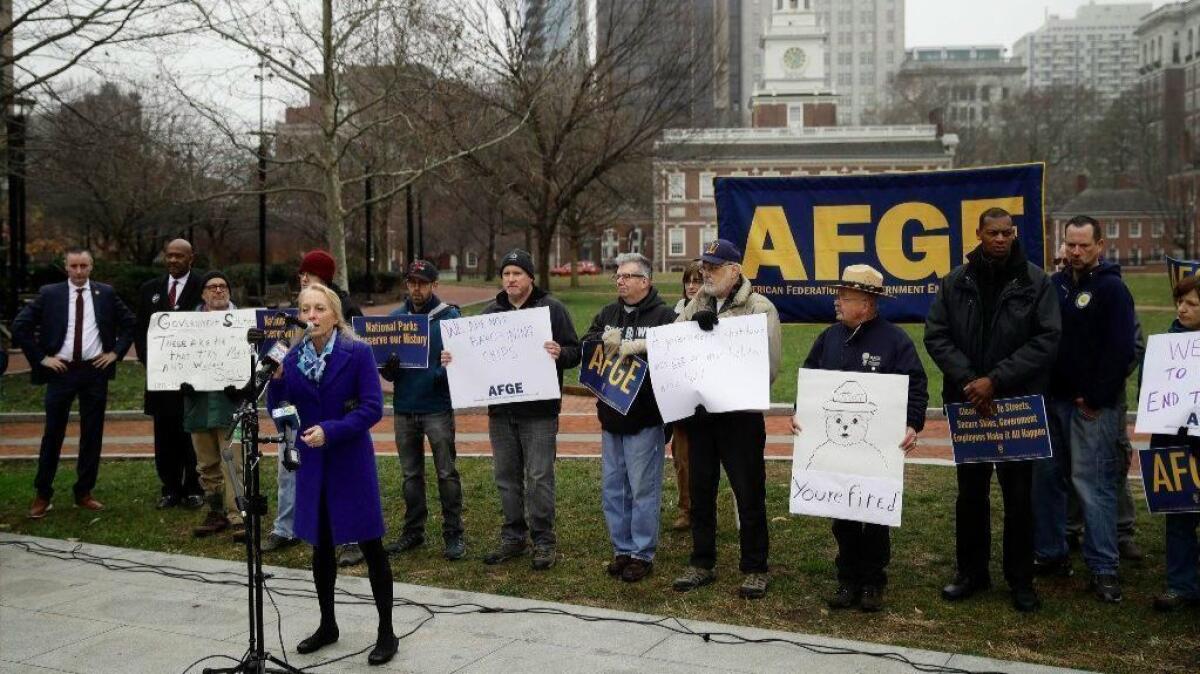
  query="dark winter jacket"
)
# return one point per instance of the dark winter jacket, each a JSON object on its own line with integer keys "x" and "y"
{"x": 1098, "y": 340}
{"x": 349, "y": 308}
{"x": 650, "y": 312}
{"x": 875, "y": 346}
{"x": 1015, "y": 349}
{"x": 562, "y": 330}
{"x": 424, "y": 391}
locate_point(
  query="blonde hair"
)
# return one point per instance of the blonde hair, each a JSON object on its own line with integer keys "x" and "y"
{"x": 335, "y": 306}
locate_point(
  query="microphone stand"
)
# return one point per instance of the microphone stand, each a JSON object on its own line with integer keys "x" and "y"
{"x": 253, "y": 506}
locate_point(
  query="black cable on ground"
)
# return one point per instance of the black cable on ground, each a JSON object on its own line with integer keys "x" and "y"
{"x": 229, "y": 578}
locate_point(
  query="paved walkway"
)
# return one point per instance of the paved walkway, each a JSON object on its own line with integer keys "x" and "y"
{"x": 62, "y": 614}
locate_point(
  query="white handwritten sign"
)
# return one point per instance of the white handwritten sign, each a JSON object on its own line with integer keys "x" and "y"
{"x": 726, "y": 369}
{"x": 500, "y": 358}
{"x": 1170, "y": 395}
{"x": 205, "y": 349}
{"x": 847, "y": 462}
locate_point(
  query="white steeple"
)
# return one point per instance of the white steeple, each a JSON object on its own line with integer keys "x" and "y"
{"x": 794, "y": 45}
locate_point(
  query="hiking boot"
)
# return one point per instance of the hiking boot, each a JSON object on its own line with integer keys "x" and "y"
{"x": 407, "y": 541}
{"x": 1055, "y": 568}
{"x": 1130, "y": 551}
{"x": 214, "y": 523}
{"x": 543, "y": 557}
{"x": 456, "y": 549}
{"x": 636, "y": 570}
{"x": 276, "y": 542}
{"x": 617, "y": 565}
{"x": 754, "y": 586}
{"x": 350, "y": 555}
{"x": 1171, "y": 600}
{"x": 872, "y": 599}
{"x": 506, "y": 552}
{"x": 845, "y": 597}
{"x": 682, "y": 523}
{"x": 1107, "y": 587}
{"x": 1025, "y": 599}
{"x": 692, "y": 578}
{"x": 964, "y": 587}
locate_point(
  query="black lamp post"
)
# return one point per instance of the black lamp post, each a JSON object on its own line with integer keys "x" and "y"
{"x": 16, "y": 113}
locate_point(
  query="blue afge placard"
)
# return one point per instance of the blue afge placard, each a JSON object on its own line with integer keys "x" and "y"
{"x": 1016, "y": 431}
{"x": 615, "y": 380}
{"x": 406, "y": 337}
{"x": 1171, "y": 476}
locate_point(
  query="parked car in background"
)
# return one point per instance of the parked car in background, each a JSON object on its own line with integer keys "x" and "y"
{"x": 583, "y": 268}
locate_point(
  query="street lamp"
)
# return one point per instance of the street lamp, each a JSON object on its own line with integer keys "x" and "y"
{"x": 16, "y": 112}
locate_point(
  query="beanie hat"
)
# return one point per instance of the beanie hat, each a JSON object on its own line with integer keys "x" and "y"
{"x": 319, "y": 263}
{"x": 519, "y": 258}
{"x": 212, "y": 275}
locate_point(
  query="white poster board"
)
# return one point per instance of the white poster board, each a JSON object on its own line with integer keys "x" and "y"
{"x": 500, "y": 358}
{"x": 205, "y": 349}
{"x": 847, "y": 462}
{"x": 1170, "y": 392}
{"x": 726, "y": 369}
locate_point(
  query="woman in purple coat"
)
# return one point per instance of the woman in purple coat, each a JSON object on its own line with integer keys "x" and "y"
{"x": 331, "y": 379}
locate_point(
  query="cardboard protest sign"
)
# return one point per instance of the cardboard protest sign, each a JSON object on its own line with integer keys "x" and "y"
{"x": 725, "y": 369}
{"x": 406, "y": 337}
{"x": 1170, "y": 391}
{"x": 615, "y": 380}
{"x": 1171, "y": 477}
{"x": 500, "y": 358}
{"x": 204, "y": 349}
{"x": 1016, "y": 430}
{"x": 847, "y": 462}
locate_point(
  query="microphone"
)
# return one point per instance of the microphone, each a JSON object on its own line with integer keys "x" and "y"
{"x": 270, "y": 362}
{"x": 289, "y": 319}
{"x": 287, "y": 419}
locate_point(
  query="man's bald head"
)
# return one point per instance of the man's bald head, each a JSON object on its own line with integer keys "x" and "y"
{"x": 178, "y": 256}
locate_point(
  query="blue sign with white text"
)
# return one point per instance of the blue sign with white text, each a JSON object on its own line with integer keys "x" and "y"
{"x": 615, "y": 380}
{"x": 1171, "y": 476}
{"x": 797, "y": 234}
{"x": 1015, "y": 431}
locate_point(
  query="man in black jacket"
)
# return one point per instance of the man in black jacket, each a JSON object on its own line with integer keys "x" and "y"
{"x": 864, "y": 341}
{"x": 632, "y": 444}
{"x": 993, "y": 330}
{"x": 524, "y": 434}
{"x": 174, "y": 458}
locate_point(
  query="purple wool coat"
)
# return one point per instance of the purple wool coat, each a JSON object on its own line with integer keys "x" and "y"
{"x": 346, "y": 404}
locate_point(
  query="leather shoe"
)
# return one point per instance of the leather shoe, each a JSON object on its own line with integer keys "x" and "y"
{"x": 168, "y": 501}
{"x": 319, "y": 639}
{"x": 1025, "y": 599}
{"x": 39, "y": 508}
{"x": 963, "y": 587}
{"x": 384, "y": 651}
{"x": 89, "y": 502}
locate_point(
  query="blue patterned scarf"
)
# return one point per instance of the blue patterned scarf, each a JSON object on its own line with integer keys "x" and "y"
{"x": 312, "y": 364}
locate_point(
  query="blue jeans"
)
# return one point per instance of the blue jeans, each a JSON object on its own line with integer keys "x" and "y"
{"x": 285, "y": 515}
{"x": 631, "y": 489}
{"x": 1087, "y": 453}
{"x": 1181, "y": 554}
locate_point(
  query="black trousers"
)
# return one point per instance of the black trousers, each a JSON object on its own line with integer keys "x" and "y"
{"x": 324, "y": 568}
{"x": 90, "y": 385}
{"x": 864, "y": 551}
{"x": 174, "y": 456}
{"x": 735, "y": 440}
{"x": 973, "y": 520}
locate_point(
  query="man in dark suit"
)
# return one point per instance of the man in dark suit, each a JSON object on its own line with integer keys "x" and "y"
{"x": 73, "y": 335}
{"x": 174, "y": 458}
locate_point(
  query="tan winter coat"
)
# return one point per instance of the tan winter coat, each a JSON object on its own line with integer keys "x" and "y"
{"x": 743, "y": 303}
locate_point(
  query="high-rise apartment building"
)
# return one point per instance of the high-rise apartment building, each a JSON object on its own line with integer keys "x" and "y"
{"x": 1096, "y": 49}
{"x": 554, "y": 25}
{"x": 967, "y": 83}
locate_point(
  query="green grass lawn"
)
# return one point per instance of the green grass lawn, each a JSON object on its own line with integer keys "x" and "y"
{"x": 1072, "y": 630}
{"x": 1149, "y": 290}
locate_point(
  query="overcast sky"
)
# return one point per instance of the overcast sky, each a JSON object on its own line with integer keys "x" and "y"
{"x": 960, "y": 22}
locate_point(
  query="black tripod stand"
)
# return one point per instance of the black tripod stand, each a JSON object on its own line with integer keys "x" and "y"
{"x": 253, "y": 506}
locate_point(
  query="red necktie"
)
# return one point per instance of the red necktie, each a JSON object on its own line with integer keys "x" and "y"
{"x": 77, "y": 352}
{"x": 171, "y": 295}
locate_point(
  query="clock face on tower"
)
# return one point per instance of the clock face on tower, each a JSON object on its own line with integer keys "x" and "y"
{"x": 794, "y": 59}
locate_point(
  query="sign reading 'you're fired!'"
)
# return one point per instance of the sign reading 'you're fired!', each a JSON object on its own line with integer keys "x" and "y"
{"x": 798, "y": 234}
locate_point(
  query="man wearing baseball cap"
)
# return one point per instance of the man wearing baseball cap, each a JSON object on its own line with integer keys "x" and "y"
{"x": 524, "y": 434}
{"x": 422, "y": 410}
{"x": 735, "y": 440}
{"x": 864, "y": 341}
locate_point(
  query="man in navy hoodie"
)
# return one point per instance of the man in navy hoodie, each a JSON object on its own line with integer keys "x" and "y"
{"x": 422, "y": 409}
{"x": 1094, "y": 356}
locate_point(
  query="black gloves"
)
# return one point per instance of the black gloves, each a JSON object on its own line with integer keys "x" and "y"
{"x": 186, "y": 389}
{"x": 700, "y": 411}
{"x": 706, "y": 319}
{"x": 255, "y": 336}
{"x": 391, "y": 368}
{"x": 232, "y": 393}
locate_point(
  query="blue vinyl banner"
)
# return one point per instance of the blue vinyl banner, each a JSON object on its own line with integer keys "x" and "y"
{"x": 1171, "y": 476}
{"x": 797, "y": 234}
{"x": 271, "y": 322}
{"x": 1016, "y": 431}
{"x": 1177, "y": 269}
{"x": 615, "y": 381}
{"x": 405, "y": 337}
